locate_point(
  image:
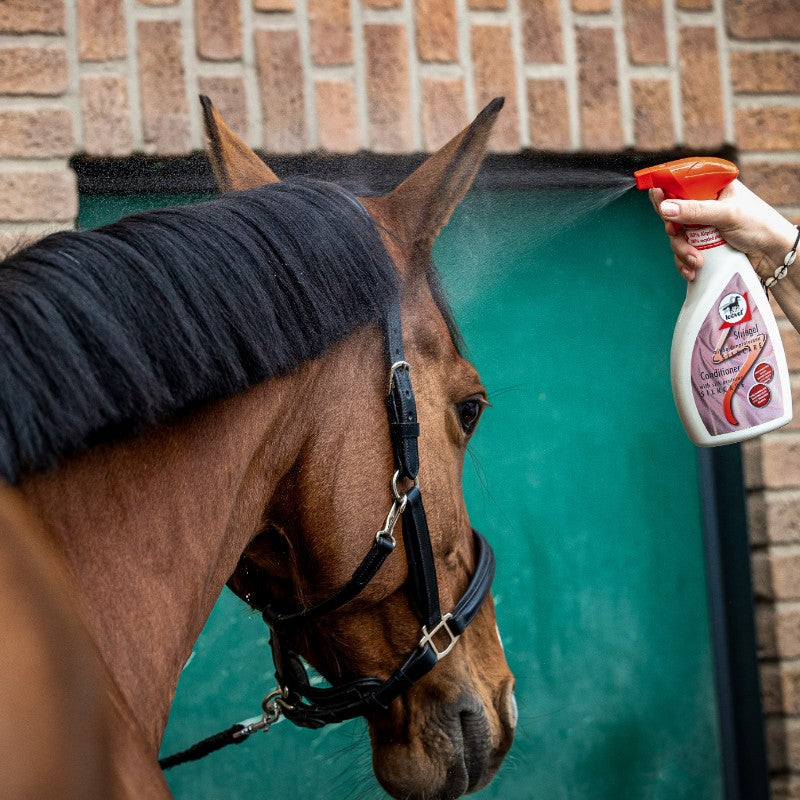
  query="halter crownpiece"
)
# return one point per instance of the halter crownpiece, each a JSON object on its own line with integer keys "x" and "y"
{"x": 313, "y": 707}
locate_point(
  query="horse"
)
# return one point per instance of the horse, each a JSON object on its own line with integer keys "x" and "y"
{"x": 198, "y": 396}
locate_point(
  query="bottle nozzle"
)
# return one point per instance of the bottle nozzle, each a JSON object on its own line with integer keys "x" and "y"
{"x": 701, "y": 178}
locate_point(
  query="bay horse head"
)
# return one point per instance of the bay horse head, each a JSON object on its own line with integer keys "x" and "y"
{"x": 446, "y": 733}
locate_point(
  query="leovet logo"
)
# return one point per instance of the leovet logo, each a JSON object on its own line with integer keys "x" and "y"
{"x": 734, "y": 309}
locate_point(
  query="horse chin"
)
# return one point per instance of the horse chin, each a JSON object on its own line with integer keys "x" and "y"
{"x": 453, "y": 753}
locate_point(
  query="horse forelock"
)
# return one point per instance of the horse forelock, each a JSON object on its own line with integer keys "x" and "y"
{"x": 104, "y": 333}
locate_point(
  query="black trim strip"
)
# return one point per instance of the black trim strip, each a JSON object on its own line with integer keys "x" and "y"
{"x": 368, "y": 173}
{"x": 733, "y": 637}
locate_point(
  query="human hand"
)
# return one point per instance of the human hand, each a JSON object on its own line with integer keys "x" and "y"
{"x": 745, "y": 221}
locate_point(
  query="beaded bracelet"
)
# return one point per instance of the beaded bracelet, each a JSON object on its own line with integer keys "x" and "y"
{"x": 781, "y": 271}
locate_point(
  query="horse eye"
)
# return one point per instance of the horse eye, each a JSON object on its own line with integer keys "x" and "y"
{"x": 469, "y": 412}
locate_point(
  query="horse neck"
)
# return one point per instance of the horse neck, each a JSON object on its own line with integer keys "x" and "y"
{"x": 152, "y": 527}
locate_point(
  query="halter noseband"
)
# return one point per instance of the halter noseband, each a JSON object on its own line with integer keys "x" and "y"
{"x": 313, "y": 707}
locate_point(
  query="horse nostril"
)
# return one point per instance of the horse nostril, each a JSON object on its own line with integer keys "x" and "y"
{"x": 475, "y": 737}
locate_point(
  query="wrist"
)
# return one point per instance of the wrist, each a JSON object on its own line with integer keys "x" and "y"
{"x": 782, "y": 268}
{"x": 781, "y": 242}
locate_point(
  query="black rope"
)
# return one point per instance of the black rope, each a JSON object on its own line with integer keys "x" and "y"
{"x": 206, "y": 747}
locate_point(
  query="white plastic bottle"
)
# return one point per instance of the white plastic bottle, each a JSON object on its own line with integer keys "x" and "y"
{"x": 730, "y": 379}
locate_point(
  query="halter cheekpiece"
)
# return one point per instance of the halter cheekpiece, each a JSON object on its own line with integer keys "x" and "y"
{"x": 313, "y": 707}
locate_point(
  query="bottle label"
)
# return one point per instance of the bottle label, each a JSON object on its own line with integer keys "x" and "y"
{"x": 735, "y": 379}
{"x": 703, "y": 237}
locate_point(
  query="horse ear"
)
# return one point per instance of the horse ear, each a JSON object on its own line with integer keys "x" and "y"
{"x": 235, "y": 165}
{"x": 421, "y": 205}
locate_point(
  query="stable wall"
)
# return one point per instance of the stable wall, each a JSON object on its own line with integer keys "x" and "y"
{"x": 115, "y": 77}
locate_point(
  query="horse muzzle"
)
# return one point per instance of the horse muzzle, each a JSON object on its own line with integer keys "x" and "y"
{"x": 456, "y": 751}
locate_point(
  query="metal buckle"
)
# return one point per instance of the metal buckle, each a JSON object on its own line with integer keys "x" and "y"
{"x": 427, "y": 638}
{"x": 396, "y": 366}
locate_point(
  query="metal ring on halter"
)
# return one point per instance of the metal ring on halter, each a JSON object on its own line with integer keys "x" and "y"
{"x": 396, "y": 366}
{"x": 400, "y": 498}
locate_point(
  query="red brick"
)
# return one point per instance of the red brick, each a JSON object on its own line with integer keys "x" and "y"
{"x": 280, "y": 77}
{"x": 229, "y": 98}
{"x": 36, "y": 134}
{"x": 541, "y": 31}
{"x": 331, "y": 32}
{"x": 273, "y": 5}
{"x": 33, "y": 196}
{"x": 695, "y": 5}
{"x": 487, "y": 5}
{"x": 601, "y": 128}
{"x": 783, "y": 744}
{"x": 765, "y": 72}
{"x": 32, "y": 16}
{"x": 437, "y": 35}
{"x": 219, "y": 29}
{"x": 101, "y": 30}
{"x": 791, "y": 345}
{"x": 777, "y": 182}
{"x": 644, "y": 32}
{"x": 591, "y": 6}
{"x": 757, "y": 19}
{"x": 106, "y": 115}
{"x": 444, "y": 110}
{"x": 382, "y": 3}
{"x": 778, "y": 630}
{"x": 652, "y": 114}
{"x": 701, "y": 88}
{"x": 548, "y": 115}
{"x": 780, "y": 688}
{"x": 494, "y": 75}
{"x": 773, "y": 462}
{"x": 33, "y": 70}
{"x": 768, "y": 128}
{"x": 389, "y": 104}
{"x": 338, "y": 130}
{"x": 784, "y": 787}
{"x": 159, "y": 2}
{"x": 165, "y": 113}
{"x": 776, "y": 573}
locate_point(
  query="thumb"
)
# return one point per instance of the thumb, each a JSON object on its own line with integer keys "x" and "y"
{"x": 695, "y": 212}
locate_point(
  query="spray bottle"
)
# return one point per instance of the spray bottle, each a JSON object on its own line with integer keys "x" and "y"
{"x": 729, "y": 374}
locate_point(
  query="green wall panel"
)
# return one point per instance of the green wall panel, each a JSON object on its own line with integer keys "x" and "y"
{"x": 585, "y": 483}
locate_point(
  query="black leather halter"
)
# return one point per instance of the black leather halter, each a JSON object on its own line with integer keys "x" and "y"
{"x": 313, "y": 707}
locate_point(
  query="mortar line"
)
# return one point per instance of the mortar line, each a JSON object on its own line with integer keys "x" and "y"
{"x": 673, "y": 61}
{"x": 724, "y": 72}
{"x": 73, "y": 97}
{"x": 252, "y": 94}
{"x": 131, "y": 74}
{"x": 414, "y": 88}
{"x": 515, "y": 22}
{"x": 623, "y": 78}
{"x": 360, "y": 74}
{"x": 568, "y": 28}
{"x": 191, "y": 58}
{"x": 464, "y": 34}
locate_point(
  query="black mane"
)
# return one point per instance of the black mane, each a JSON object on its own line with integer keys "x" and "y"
{"x": 105, "y": 332}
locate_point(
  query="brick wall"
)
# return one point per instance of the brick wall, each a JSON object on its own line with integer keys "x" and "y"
{"x": 114, "y": 77}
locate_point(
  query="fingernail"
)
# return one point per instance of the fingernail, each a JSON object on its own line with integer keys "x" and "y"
{"x": 670, "y": 209}
{"x": 691, "y": 261}
{"x": 687, "y": 273}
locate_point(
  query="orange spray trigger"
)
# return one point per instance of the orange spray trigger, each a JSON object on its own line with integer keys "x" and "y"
{"x": 701, "y": 178}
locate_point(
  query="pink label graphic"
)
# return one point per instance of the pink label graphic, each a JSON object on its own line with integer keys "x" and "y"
{"x": 732, "y": 362}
